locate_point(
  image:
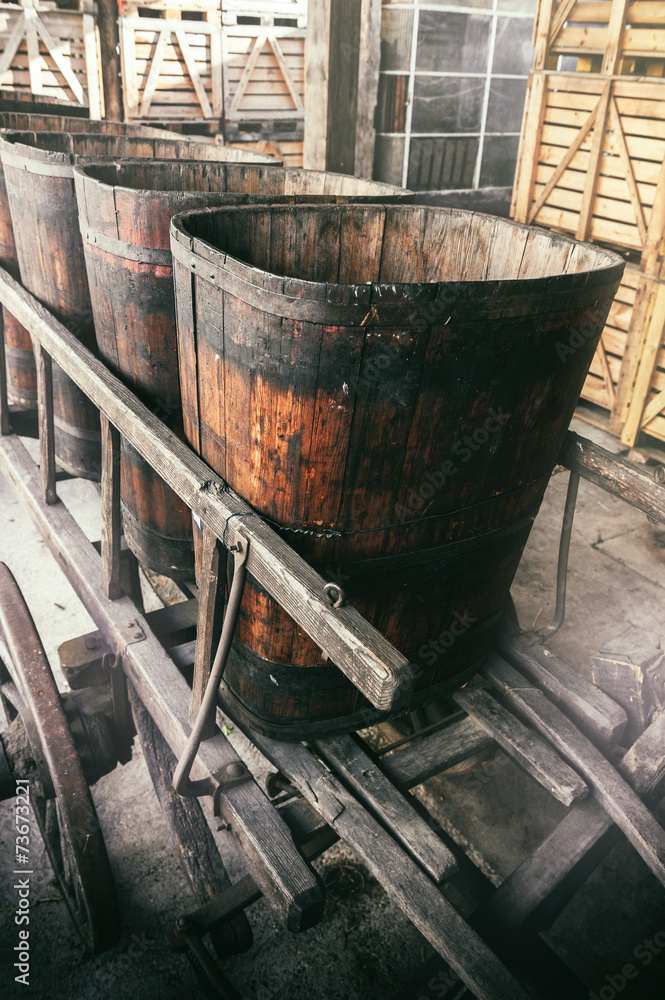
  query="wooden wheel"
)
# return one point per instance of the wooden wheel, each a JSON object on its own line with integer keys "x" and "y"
{"x": 60, "y": 797}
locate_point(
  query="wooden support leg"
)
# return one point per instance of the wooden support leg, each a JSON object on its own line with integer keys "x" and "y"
{"x": 211, "y": 600}
{"x": 111, "y": 523}
{"x": 190, "y": 833}
{"x": 46, "y": 428}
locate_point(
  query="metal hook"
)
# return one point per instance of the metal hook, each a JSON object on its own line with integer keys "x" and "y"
{"x": 330, "y": 589}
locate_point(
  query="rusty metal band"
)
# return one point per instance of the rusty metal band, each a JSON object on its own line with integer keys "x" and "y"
{"x": 84, "y": 433}
{"x": 40, "y": 167}
{"x": 129, "y": 251}
{"x": 437, "y": 301}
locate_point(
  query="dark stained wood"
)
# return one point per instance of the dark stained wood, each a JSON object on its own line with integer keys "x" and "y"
{"x": 611, "y": 791}
{"x": 132, "y": 203}
{"x": 364, "y": 655}
{"x": 107, "y": 24}
{"x": 111, "y": 526}
{"x": 189, "y": 831}
{"x": 411, "y": 765}
{"x": 370, "y": 786}
{"x": 343, "y": 386}
{"x": 590, "y": 707}
{"x": 211, "y": 602}
{"x": 283, "y": 876}
{"x": 46, "y": 428}
{"x": 614, "y": 475}
{"x": 521, "y": 744}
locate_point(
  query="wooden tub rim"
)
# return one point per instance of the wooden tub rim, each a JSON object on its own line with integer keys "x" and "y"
{"x": 408, "y": 302}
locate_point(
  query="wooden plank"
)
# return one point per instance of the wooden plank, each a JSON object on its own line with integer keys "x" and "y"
{"x": 590, "y": 708}
{"x": 432, "y": 754}
{"x": 652, "y": 308}
{"x": 194, "y": 74}
{"x": 563, "y": 165}
{"x": 644, "y": 764}
{"x": 5, "y": 427}
{"x": 615, "y": 796}
{"x": 44, "y": 368}
{"x": 216, "y": 73}
{"x": 399, "y": 875}
{"x": 153, "y": 75}
{"x": 360, "y": 651}
{"x": 92, "y": 63}
{"x": 13, "y": 42}
{"x": 54, "y": 48}
{"x": 247, "y": 72}
{"x": 529, "y": 144}
{"x": 317, "y": 69}
{"x": 283, "y": 876}
{"x": 613, "y": 474}
{"x": 614, "y": 39}
{"x": 541, "y": 33}
{"x": 111, "y": 520}
{"x": 212, "y": 587}
{"x": 370, "y": 785}
{"x": 521, "y": 744}
{"x": 293, "y": 89}
{"x": 589, "y": 193}
{"x": 32, "y": 42}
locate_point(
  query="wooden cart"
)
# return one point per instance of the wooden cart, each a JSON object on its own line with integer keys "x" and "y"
{"x": 542, "y": 713}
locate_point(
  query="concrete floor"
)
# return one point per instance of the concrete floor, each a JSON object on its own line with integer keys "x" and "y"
{"x": 364, "y": 949}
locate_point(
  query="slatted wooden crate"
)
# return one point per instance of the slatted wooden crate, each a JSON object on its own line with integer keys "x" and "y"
{"x": 49, "y": 52}
{"x": 601, "y": 37}
{"x": 644, "y": 406}
{"x": 591, "y": 161}
{"x": 171, "y": 60}
{"x": 264, "y": 61}
{"x": 613, "y": 366}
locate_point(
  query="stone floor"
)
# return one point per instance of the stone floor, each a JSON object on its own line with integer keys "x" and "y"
{"x": 364, "y": 949}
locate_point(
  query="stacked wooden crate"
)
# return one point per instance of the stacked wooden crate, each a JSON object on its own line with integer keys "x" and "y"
{"x": 591, "y": 163}
{"x": 171, "y": 56}
{"x": 264, "y": 73}
{"x": 52, "y": 52}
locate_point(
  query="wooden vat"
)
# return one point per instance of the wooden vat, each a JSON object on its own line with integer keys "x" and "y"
{"x": 125, "y": 209}
{"x": 20, "y": 361}
{"x": 391, "y": 386}
{"x": 38, "y": 171}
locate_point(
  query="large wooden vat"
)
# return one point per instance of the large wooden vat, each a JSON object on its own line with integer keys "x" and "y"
{"x": 397, "y": 381}
{"x": 21, "y": 374}
{"x": 125, "y": 209}
{"x": 38, "y": 172}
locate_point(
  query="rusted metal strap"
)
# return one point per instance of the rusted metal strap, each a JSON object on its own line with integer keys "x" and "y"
{"x": 130, "y": 251}
{"x": 37, "y": 166}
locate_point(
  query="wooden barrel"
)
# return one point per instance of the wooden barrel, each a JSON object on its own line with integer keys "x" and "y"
{"x": 20, "y": 360}
{"x": 125, "y": 209}
{"x": 38, "y": 173}
{"x": 391, "y": 386}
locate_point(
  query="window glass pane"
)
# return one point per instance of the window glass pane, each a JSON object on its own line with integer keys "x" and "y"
{"x": 506, "y": 104}
{"x": 486, "y": 4}
{"x": 441, "y": 164}
{"x": 499, "y": 160}
{"x": 447, "y": 104}
{"x": 396, "y": 34}
{"x": 513, "y": 51}
{"x": 452, "y": 42}
{"x": 523, "y": 6}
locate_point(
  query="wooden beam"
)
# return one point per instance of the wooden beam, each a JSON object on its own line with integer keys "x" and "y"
{"x": 109, "y": 40}
{"x": 317, "y": 70}
{"x": 111, "y": 519}
{"x": 382, "y": 673}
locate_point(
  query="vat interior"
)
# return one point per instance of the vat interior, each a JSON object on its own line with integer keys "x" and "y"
{"x": 402, "y": 244}
{"x": 230, "y": 178}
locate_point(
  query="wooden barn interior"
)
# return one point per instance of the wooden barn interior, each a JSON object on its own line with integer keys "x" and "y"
{"x": 332, "y": 499}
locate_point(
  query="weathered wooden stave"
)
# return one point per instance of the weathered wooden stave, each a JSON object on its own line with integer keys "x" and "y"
{"x": 39, "y": 165}
{"x": 125, "y": 210}
{"x": 487, "y": 340}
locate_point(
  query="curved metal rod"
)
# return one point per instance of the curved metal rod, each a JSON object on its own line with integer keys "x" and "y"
{"x": 181, "y": 780}
{"x": 564, "y": 549}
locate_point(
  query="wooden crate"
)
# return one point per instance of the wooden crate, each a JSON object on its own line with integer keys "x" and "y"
{"x": 601, "y": 37}
{"x": 612, "y": 369}
{"x": 591, "y": 161}
{"x": 172, "y": 63}
{"x": 52, "y": 53}
{"x": 264, "y": 61}
{"x": 644, "y": 409}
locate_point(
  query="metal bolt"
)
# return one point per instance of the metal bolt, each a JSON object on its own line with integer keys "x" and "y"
{"x": 92, "y": 642}
{"x": 182, "y": 923}
{"x": 236, "y": 769}
{"x": 659, "y": 475}
{"x": 138, "y": 635}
